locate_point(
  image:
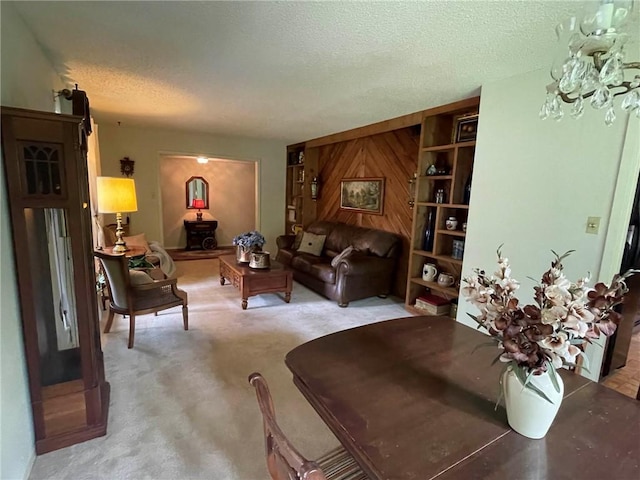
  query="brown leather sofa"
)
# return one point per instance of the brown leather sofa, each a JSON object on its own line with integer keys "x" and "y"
{"x": 367, "y": 271}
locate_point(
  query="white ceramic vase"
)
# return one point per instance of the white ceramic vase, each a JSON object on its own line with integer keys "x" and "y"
{"x": 527, "y": 412}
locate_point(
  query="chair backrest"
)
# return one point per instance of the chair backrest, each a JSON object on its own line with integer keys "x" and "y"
{"x": 116, "y": 272}
{"x": 284, "y": 462}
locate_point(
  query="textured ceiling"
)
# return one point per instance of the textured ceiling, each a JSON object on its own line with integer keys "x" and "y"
{"x": 287, "y": 70}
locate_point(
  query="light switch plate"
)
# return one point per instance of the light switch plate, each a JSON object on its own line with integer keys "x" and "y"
{"x": 593, "y": 225}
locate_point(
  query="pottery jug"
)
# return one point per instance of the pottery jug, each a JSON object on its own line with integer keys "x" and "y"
{"x": 429, "y": 272}
{"x": 445, "y": 280}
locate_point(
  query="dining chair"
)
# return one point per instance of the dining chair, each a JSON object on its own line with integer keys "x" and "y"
{"x": 145, "y": 296}
{"x": 284, "y": 462}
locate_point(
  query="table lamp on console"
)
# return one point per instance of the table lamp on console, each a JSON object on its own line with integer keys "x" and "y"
{"x": 117, "y": 195}
{"x": 198, "y": 203}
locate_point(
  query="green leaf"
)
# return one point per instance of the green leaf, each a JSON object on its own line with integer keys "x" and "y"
{"x": 486, "y": 344}
{"x": 554, "y": 376}
{"x": 522, "y": 376}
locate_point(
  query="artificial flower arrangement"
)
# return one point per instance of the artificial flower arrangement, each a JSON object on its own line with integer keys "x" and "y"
{"x": 249, "y": 239}
{"x": 534, "y": 339}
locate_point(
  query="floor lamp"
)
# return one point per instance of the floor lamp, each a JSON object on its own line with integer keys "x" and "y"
{"x": 117, "y": 195}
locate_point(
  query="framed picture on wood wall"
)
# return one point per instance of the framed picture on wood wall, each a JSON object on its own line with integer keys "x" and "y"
{"x": 365, "y": 195}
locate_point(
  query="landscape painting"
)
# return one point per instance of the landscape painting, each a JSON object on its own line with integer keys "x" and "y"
{"x": 364, "y": 195}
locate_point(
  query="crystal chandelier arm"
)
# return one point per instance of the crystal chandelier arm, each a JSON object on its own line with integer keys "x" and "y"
{"x": 567, "y": 99}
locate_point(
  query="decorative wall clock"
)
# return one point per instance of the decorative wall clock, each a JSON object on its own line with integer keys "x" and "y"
{"x": 126, "y": 166}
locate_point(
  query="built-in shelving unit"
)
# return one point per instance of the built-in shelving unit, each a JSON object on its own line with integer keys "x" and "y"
{"x": 295, "y": 187}
{"x": 453, "y": 165}
{"x": 301, "y": 165}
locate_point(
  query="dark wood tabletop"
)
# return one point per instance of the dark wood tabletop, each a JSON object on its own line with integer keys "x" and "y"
{"x": 414, "y": 398}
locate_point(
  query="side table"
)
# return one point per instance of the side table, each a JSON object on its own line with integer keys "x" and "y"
{"x": 201, "y": 234}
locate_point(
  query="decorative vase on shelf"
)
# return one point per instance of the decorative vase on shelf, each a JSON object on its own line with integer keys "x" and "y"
{"x": 528, "y": 413}
{"x": 429, "y": 230}
{"x": 467, "y": 191}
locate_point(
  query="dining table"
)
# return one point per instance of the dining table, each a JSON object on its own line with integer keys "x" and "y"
{"x": 416, "y": 398}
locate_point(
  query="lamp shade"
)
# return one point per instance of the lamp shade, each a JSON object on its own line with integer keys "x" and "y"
{"x": 116, "y": 195}
{"x": 198, "y": 203}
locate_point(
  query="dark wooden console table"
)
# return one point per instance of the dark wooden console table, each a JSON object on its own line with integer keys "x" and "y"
{"x": 411, "y": 399}
{"x": 201, "y": 234}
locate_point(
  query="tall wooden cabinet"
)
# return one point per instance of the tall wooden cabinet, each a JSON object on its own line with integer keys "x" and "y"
{"x": 47, "y": 185}
{"x": 445, "y": 165}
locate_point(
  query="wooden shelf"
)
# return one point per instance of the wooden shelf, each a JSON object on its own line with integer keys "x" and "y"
{"x": 437, "y": 177}
{"x": 450, "y": 146}
{"x": 434, "y": 286}
{"x": 447, "y": 205}
{"x": 439, "y": 148}
{"x": 422, "y": 253}
{"x": 454, "y": 233}
{"x": 442, "y": 258}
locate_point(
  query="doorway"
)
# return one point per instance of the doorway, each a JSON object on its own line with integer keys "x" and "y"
{"x": 233, "y": 193}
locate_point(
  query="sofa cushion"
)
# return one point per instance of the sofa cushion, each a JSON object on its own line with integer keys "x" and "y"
{"x": 343, "y": 254}
{"x": 377, "y": 242}
{"x": 285, "y": 256}
{"x": 312, "y": 243}
{"x": 305, "y": 261}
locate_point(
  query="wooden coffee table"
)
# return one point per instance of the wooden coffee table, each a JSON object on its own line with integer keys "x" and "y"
{"x": 252, "y": 281}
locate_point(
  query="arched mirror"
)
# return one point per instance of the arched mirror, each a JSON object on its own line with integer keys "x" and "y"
{"x": 197, "y": 189}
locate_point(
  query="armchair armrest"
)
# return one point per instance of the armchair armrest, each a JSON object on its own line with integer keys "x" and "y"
{"x": 285, "y": 241}
{"x": 358, "y": 264}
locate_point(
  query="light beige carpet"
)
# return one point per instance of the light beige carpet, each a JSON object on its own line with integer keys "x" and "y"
{"x": 181, "y": 407}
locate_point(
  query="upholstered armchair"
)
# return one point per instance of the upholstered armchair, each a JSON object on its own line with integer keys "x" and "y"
{"x": 136, "y": 293}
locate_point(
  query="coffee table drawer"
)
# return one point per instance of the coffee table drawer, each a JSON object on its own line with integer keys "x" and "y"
{"x": 268, "y": 283}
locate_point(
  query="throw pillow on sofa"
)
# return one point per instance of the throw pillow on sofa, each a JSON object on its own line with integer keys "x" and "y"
{"x": 312, "y": 243}
{"x": 343, "y": 254}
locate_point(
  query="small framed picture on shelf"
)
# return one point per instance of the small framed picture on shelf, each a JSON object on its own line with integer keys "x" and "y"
{"x": 465, "y": 128}
{"x": 365, "y": 195}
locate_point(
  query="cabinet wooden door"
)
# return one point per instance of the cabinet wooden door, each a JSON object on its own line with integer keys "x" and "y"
{"x": 47, "y": 184}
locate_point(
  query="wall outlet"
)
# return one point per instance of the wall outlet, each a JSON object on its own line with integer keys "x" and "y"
{"x": 593, "y": 225}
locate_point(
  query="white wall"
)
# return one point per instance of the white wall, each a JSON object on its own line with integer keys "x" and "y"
{"x": 27, "y": 80}
{"x": 146, "y": 146}
{"x": 535, "y": 183}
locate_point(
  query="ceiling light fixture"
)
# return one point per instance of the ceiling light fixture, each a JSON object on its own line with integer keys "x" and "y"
{"x": 202, "y": 159}
{"x": 595, "y": 68}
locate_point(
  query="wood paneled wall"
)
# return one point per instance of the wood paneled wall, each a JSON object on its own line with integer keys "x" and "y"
{"x": 392, "y": 155}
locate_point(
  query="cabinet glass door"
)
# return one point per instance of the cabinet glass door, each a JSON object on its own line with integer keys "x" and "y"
{"x": 53, "y": 294}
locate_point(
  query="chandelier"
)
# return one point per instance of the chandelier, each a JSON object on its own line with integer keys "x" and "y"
{"x": 595, "y": 69}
